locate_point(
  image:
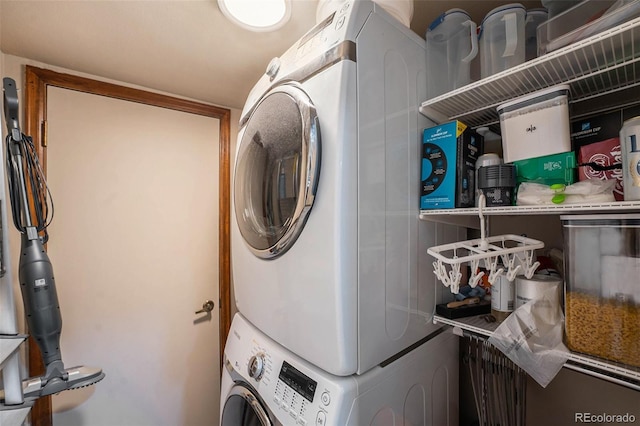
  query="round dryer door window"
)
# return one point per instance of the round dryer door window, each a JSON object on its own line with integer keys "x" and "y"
{"x": 277, "y": 171}
{"x": 242, "y": 408}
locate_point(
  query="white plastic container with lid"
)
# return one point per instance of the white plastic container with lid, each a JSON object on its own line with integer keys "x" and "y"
{"x": 502, "y": 39}
{"x": 534, "y": 18}
{"x": 452, "y": 43}
{"x": 528, "y": 289}
{"x": 536, "y": 125}
{"x": 630, "y": 144}
{"x": 537, "y": 287}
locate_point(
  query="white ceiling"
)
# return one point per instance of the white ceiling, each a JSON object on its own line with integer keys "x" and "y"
{"x": 183, "y": 47}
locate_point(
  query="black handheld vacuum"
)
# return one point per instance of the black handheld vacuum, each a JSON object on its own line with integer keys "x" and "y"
{"x": 32, "y": 210}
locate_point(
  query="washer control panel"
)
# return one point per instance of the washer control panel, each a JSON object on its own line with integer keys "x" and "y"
{"x": 256, "y": 366}
{"x": 294, "y": 391}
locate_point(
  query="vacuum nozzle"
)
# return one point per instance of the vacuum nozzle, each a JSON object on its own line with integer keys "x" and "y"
{"x": 71, "y": 378}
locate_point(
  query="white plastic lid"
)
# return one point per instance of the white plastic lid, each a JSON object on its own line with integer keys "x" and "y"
{"x": 488, "y": 159}
{"x": 559, "y": 90}
{"x": 448, "y": 15}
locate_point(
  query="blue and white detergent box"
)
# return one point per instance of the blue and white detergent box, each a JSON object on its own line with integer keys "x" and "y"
{"x": 449, "y": 154}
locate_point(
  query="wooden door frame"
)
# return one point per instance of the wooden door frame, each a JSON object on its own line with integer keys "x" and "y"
{"x": 35, "y": 98}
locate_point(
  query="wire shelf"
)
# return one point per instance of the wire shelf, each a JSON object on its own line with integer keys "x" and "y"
{"x": 550, "y": 209}
{"x": 604, "y": 63}
{"x": 616, "y": 373}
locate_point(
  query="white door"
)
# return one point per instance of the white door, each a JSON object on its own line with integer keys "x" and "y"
{"x": 134, "y": 247}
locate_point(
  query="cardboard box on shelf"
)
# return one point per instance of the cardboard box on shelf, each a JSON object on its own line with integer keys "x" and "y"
{"x": 449, "y": 154}
{"x": 596, "y": 140}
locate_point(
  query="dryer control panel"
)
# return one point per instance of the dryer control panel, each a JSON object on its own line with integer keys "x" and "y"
{"x": 319, "y": 37}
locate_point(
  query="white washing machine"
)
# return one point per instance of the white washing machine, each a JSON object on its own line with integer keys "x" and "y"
{"x": 329, "y": 254}
{"x": 263, "y": 384}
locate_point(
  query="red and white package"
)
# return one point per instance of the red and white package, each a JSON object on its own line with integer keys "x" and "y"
{"x": 604, "y": 153}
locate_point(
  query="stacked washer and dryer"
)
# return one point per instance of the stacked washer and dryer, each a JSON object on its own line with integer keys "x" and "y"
{"x": 334, "y": 288}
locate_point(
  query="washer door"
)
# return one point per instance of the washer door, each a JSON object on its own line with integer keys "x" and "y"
{"x": 242, "y": 408}
{"x": 277, "y": 171}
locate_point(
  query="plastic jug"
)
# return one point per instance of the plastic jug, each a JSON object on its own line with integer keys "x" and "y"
{"x": 534, "y": 18}
{"x": 556, "y": 7}
{"x": 502, "y": 39}
{"x": 451, "y": 45}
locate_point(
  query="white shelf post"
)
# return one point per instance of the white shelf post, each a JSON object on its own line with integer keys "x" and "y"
{"x": 13, "y": 409}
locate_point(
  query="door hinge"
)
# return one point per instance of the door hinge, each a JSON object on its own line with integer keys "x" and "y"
{"x": 44, "y": 128}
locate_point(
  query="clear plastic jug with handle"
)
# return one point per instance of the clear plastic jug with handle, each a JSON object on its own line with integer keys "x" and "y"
{"x": 535, "y": 17}
{"x": 502, "y": 39}
{"x": 452, "y": 43}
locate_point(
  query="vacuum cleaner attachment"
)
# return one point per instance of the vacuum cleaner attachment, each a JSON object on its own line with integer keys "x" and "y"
{"x": 32, "y": 212}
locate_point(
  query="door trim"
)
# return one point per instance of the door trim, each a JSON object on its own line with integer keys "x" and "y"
{"x": 35, "y": 99}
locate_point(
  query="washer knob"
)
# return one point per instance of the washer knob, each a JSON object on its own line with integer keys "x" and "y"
{"x": 273, "y": 68}
{"x": 256, "y": 366}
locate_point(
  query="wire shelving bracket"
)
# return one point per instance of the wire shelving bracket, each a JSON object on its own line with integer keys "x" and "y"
{"x": 502, "y": 254}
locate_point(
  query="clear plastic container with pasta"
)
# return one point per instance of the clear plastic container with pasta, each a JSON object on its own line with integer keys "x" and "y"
{"x": 602, "y": 286}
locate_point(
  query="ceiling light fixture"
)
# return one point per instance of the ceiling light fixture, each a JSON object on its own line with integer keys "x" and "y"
{"x": 257, "y": 15}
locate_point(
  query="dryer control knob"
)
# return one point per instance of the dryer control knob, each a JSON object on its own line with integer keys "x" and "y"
{"x": 256, "y": 366}
{"x": 273, "y": 68}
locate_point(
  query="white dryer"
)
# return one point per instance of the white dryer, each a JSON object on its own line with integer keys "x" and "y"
{"x": 329, "y": 255}
{"x": 263, "y": 384}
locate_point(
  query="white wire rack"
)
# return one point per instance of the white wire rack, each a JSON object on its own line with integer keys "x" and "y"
{"x": 616, "y": 373}
{"x": 608, "y": 62}
{"x": 550, "y": 209}
{"x": 604, "y": 63}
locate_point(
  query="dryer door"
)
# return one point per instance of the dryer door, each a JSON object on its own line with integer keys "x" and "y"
{"x": 243, "y": 408}
{"x": 277, "y": 170}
